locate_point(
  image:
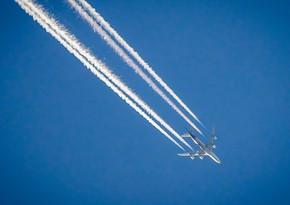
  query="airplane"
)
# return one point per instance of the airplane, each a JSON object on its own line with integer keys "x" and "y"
{"x": 204, "y": 149}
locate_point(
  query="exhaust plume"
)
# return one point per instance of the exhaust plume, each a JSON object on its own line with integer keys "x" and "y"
{"x": 73, "y": 46}
{"x": 97, "y": 16}
{"x": 128, "y": 60}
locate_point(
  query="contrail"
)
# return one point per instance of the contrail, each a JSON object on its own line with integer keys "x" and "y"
{"x": 65, "y": 38}
{"x": 145, "y": 65}
{"x": 109, "y": 74}
{"x": 127, "y": 59}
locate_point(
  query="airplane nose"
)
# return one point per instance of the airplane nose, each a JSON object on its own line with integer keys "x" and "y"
{"x": 218, "y": 161}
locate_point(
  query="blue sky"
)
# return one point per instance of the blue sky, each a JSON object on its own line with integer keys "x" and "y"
{"x": 68, "y": 139}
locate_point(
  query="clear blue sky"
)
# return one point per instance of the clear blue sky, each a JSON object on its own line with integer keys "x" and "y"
{"x": 68, "y": 139}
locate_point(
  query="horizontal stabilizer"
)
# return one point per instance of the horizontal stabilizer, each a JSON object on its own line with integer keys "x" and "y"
{"x": 185, "y": 135}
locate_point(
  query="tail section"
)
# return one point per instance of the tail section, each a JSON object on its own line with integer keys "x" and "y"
{"x": 188, "y": 133}
{"x": 185, "y": 135}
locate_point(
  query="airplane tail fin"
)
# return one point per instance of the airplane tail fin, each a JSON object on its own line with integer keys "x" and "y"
{"x": 191, "y": 130}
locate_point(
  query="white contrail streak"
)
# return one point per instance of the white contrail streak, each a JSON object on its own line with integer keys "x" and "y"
{"x": 65, "y": 39}
{"x": 109, "y": 74}
{"x": 127, "y": 59}
{"x": 85, "y": 62}
{"x": 145, "y": 65}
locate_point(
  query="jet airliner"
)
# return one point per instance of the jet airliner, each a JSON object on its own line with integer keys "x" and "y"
{"x": 204, "y": 149}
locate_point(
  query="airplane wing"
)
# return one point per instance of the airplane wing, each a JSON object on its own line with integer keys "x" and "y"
{"x": 189, "y": 154}
{"x": 210, "y": 144}
{"x": 186, "y": 154}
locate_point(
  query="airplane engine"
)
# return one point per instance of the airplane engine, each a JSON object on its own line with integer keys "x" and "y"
{"x": 201, "y": 157}
{"x": 214, "y": 146}
{"x": 215, "y": 137}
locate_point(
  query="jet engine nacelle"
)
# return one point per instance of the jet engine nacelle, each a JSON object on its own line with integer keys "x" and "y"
{"x": 214, "y": 146}
{"x": 201, "y": 157}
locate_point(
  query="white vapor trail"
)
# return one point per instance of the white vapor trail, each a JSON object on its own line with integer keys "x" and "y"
{"x": 145, "y": 65}
{"x": 74, "y": 47}
{"x": 127, "y": 59}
